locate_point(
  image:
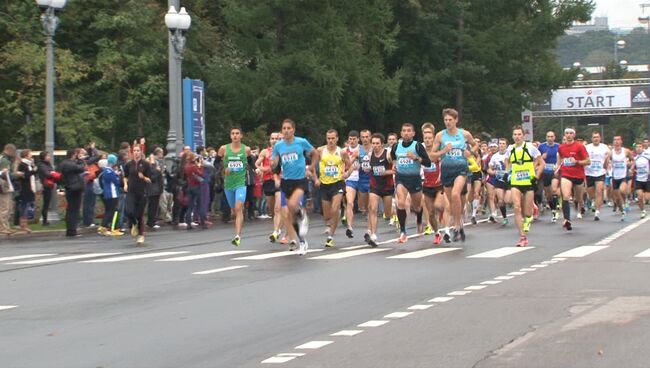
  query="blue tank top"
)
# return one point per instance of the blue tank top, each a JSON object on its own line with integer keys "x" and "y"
{"x": 456, "y": 155}
{"x": 364, "y": 161}
{"x": 406, "y": 166}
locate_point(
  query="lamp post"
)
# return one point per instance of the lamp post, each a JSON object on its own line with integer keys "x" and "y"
{"x": 618, "y": 45}
{"x": 178, "y": 23}
{"x": 645, "y": 19}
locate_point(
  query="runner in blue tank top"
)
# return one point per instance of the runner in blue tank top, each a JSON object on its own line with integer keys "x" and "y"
{"x": 450, "y": 145}
{"x": 550, "y": 182}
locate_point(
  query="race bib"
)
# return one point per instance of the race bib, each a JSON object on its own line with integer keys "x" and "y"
{"x": 619, "y": 165}
{"x": 288, "y": 157}
{"x": 404, "y": 161}
{"x": 455, "y": 152}
{"x": 522, "y": 175}
{"x": 365, "y": 164}
{"x": 596, "y": 165}
{"x": 331, "y": 170}
{"x": 641, "y": 171}
{"x": 378, "y": 170}
{"x": 567, "y": 162}
{"x": 432, "y": 168}
{"x": 235, "y": 165}
{"x": 549, "y": 167}
{"x": 500, "y": 174}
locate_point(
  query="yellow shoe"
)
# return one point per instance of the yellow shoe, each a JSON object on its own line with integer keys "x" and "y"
{"x": 115, "y": 232}
{"x": 140, "y": 239}
{"x": 428, "y": 230}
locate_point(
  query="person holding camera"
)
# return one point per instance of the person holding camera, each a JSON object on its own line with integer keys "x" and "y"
{"x": 72, "y": 169}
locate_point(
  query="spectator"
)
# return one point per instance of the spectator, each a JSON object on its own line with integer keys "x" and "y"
{"x": 7, "y": 176}
{"x": 48, "y": 178}
{"x": 123, "y": 158}
{"x": 111, "y": 194}
{"x": 27, "y": 195}
{"x": 91, "y": 156}
{"x": 194, "y": 175}
{"x": 155, "y": 188}
{"x": 72, "y": 169}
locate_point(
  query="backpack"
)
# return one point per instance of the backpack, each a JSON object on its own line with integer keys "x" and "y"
{"x": 98, "y": 184}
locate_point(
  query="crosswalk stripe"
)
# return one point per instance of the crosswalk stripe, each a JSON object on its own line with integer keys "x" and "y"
{"x": 347, "y": 333}
{"x": 264, "y": 256}
{"x": 5, "y": 307}
{"x": 314, "y": 345}
{"x": 207, "y": 272}
{"x": 645, "y": 253}
{"x": 500, "y": 252}
{"x": 204, "y": 256}
{"x": 27, "y": 256}
{"x": 423, "y": 253}
{"x": 137, "y": 256}
{"x": 65, "y": 258}
{"x": 581, "y": 251}
{"x": 351, "y": 253}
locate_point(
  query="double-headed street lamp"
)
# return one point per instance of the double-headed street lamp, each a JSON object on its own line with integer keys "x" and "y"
{"x": 50, "y": 22}
{"x": 178, "y": 23}
{"x": 618, "y": 45}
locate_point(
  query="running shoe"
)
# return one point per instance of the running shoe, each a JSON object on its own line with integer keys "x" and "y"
{"x": 101, "y": 230}
{"x": 462, "y": 234}
{"x": 329, "y": 242}
{"x": 522, "y": 242}
{"x": 274, "y": 236}
{"x": 437, "y": 239}
{"x": 455, "y": 235}
{"x": 348, "y": 233}
{"x": 383, "y": 215}
{"x": 527, "y": 222}
{"x": 373, "y": 240}
{"x": 236, "y": 241}
{"x": 344, "y": 220}
{"x": 474, "y": 220}
{"x": 304, "y": 223}
{"x": 492, "y": 219}
{"x": 293, "y": 246}
{"x": 302, "y": 250}
{"x": 134, "y": 231}
{"x": 115, "y": 232}
{"x": 643, "y": 214}
{"x": 582, "y": 211}
{"x": 556, "y": 216}
{"x": 597, "y": 216}
{"x": 579, "y": 215}
{"x": 402, "y": 238}
{"x": 622, "y": 216}
{"x": 140, "y": 239}
{"x": 567, "y": 225}
{"x": 283, "y": 240}
{"x": 428, "y": 230}
{"x": 366, "y": 238}
{"x": 446, "y": 237}
{"x": 505, "y": 222}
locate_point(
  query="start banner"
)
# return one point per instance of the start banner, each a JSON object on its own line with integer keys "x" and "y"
{"x": 577, "y": 99}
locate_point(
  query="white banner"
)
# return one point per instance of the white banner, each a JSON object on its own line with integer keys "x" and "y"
{"x": 527, "y": 124}
{"x": 591, "y": 98}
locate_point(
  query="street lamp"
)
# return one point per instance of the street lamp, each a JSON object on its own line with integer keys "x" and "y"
{"x": 178, "y": 23}
{"x": 576, "y": 64}
{"x": 580, "y": 76}
{"x": 623, "y": 63}
{"x": 645, "y": 19}
{"x": 618, "y": 45}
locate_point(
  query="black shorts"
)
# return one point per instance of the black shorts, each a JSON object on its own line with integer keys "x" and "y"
{"x": 523, "y": 188}
{"x": 498, "y": 184}
{"x": 547, "y": 179}
{"x": 269, "y": 189}
{"x": 431, "y": 192}
{"x": 574, "y": 181}
{"x": 616, "y": 183}
{"x": 328, "y": 191}
{"x": 412, "y": 183}
{"x": 449, "y": 173}
{"x": 382, "y": 192}
{"x": 591, "y": 180}
{"x": 289, "y": 185}
{"x": 476, "y": 176}
{"x": 642, "y": 185}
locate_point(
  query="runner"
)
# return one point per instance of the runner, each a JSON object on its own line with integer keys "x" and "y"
{"x": 493, "y": 148}
{"x": 451, "y": 143}
{"x": 642, "y": 184}
{"x": 499, "y": 178}
{"x": 408, "y": 155}
{"x": 364, "y": 176}
{"x": 136, "y": 177}
{"x": 550, "y": 181}
{"x": 354, "y": 153}
{"x": 595, "y": 172}
{"x": 434, "y": 198}
{"x": 269, "y": 188}
{"x": 475, "y": 183}
{"x": 525, "y": 165}
{"x": 382, "y": 186}
{"x": 333, "y": 168}
{"x": 289, "y": 155}
{"x": 621, "y": 160}
{"x": 571, "y": 161}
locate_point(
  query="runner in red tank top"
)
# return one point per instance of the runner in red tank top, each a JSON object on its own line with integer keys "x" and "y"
{"x": 270, "y": 186}
{"x": 434, "y": 199}
{"x": 572, "y": 157}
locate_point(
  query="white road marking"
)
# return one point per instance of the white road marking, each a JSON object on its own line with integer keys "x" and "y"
{"x": 539, "y": 266}
{"x": 476, "y": 287}
{"x": 373, "y": 323}
{"x": 136, "y": 256}
{"x": 622, "y": 232}
{"x": 204, "y": 255}
{"x": 207, "y": 272}
{"x": 459, "y": 292}
{"x": 504, "y": 277}
{"x": 5, "y": 307}
{"x": 278, "y": 359}
{"x": 26, "y": 256}
{"x": 441, "y": 299}
{"x": 420, "y": 306}
{"x": 351, "y": 253}
{"x": 558, "y": 259}
{"x": 645, "y": 253}
{"x": 500, "y": 252}
{"x": 581, "y": 251}
{"x": 314, "y": 345}
{"x": 549, "y": 262}
{"x": 264, "y": 256}
{"x": 516, "y": 273}
{"x": 398, "y": 315}
{"x": 347, "y": 333}
{"x": 292, "y": 354}
{"x": 355, "y": 247}
{"x": 528, "y": 269}
{"x": 491, "y": 282}
{"x": 64, "y": 258}
{"x": 423, "y": 253}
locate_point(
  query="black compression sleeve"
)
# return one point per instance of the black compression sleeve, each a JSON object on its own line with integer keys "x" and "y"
{"x": 422, "y": 152}
{"x": 392, "y": 151}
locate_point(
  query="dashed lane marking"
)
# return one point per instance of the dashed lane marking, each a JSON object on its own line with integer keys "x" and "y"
{"x": 5, "y": 307}
{"x": 264, "y": 256}
{"x": 423, "y": 253}
{"x": 314, "y": 345}
{"x": 64, "y": 258}
{"x": 347, "y": 333}
{"x": 216, "y": 270}
{"x": 373, "y": 323}
{"x": 204, "y": 256}
{"x": 500, "y": 252}
{"x": 351, "y": 253}
{"x": 13, "y": 258}
{"x": 133, "y": 257}
{"x": 644, "y": 254}
{"x": 396, "y": 315}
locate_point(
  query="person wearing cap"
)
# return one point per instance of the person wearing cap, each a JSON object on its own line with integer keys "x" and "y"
{"x": 572, "y": 158}
{"x": 110, "y": 181}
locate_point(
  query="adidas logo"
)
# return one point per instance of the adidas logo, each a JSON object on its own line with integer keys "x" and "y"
{"x": 641, "y": 97}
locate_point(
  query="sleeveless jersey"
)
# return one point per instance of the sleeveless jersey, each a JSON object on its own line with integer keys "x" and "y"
{"x": 597, "y": 155}
{"x": 354, "y": 174}
{"x": 619, "y": 164}
{"x": 642, "y": 165}
{"x": 331, "y": 166}
{"x": 405, "y": 165}
{"x": 364, "y": 163}
{"x": 237, "y": 164}
{"x": 521, "y": 166}
{"x": 268, "y": 175}
{"x": 457, "y": 146}
{"x": 432, "y": 175}
{"x": 379, "y": 166}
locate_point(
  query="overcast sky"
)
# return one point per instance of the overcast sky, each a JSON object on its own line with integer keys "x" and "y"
{"x": 621, "y": 13}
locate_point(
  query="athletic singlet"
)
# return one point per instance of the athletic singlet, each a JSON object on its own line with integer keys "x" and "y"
{"x": 364, "y": 163}
{"x": 432, "y": 175}
{"x": 551, "y": 156}
{"x": 457, "y": 147}
{"x": 292, "y": 157}
{"x": 266, "y": 162}
{"x": 379, "y": 166}
{"x": 642, "y": 165}
{"x": 236, "y": 163}
{"x": 597, "y": 155}
{"x": 354, "y": 174}
{"x": 619, "y": 164}
{"x": 405, "y": 165}
{"x": 331, "y": 166}
{"x": 498, "y": 164}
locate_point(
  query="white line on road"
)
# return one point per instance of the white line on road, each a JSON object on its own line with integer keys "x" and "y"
{"x": 504, "y": 277}
{"x": 500, "y": 252}
{"x": 491, "y": 282}
{"x": 351, "y": 253}
{"x": 622, "y": 232}
{"x": 26, "y": 256}
{"x": 347, "y": 333}
{"x": 65, "y": 258}
{"x": 528, "y": 269}
{"x": 314, "y": 345}
{"x": 264, "y": 256}
{"x": 4, "y": 307}
{"x": 204, "y": 256}
{"x": 130, "y": 258}
{"x": 581, "y": 251}
{"x": 373, "y": 323}
{"x": 476, "y": 287}
{"x": 441, "y": 299}
{"x": 516, "y": 273}
{"x": 539, "y": 266}
{"x": 278, "y": 359}
{"x": 398, "y": 315}
{"x": 645, "y": 253}
{"x": 459, "y": 292}
{"x": 423, "y": 253}
{"x": 207, "y": 272}
{"x": 420, "y": 306}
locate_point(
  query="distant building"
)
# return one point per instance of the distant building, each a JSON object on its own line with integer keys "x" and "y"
{"x": 597, "y": 24}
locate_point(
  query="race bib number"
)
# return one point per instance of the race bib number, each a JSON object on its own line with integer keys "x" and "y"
{"x": 404, "y": 161}
{"x": 596, "y": 165}
{"x": 235, "y": 165}
{"x": 331, "y": 171}
{"x": 288, "y": 157}
{"x": 619, "y": 165}
{"x": 365, "y": 164}
{"x": 378, "y": 170}
{"x": 432, "y": 168}
{"x": 549, "y": 167}
{"x": 522, "y": 175}
{"x": 567, "y": 162}
{"x": 455, "y": 152}
{"x": 641, "y": 171}
{"x": 500, "y": 174}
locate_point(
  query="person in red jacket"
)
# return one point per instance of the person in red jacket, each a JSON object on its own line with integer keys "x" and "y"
{"x": 572, "y": 158}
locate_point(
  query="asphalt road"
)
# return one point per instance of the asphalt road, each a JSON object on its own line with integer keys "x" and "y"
{"x": 186, "y": 299}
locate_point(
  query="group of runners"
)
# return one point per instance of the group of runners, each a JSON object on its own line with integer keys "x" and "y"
{"x": 439, "y": 180}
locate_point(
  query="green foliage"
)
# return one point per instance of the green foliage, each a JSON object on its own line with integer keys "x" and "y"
{"x": 597, "y": 48}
